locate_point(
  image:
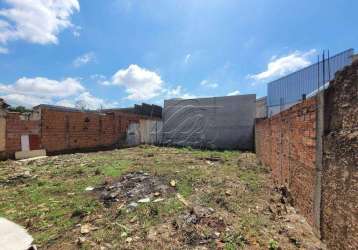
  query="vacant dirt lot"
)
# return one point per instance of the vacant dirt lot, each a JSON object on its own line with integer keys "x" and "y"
{"x": 151, "y": 198}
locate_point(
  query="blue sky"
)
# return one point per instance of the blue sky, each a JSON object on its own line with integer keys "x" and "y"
{"x": 115, "y": 53}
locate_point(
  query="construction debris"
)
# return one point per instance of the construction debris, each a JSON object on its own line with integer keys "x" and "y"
{"x": 89, "y": 188}
{"x": 20, "y": 176}
{"x": 181, "y": 198}
{"x": 145, "y": 200}
{"x": 133, "y": 188}
{"x": 85, "y": 229}
{"x": 21, "y": 155}
{"x": 33, "y": 159}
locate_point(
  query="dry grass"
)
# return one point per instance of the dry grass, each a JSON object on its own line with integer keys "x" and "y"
{"x": 230, "y": 202}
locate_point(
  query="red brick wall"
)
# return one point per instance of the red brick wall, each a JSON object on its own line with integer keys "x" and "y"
{"x": 67, "y": 130}
{"x": 71, "y": 130}
{"x": 15, "y": 127}
{"x": 286, "y": 143}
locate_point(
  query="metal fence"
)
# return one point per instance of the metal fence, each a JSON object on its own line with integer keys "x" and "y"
{"x": 288, "y": 90}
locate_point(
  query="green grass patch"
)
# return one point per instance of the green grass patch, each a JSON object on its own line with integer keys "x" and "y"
{"x": 251, "y": 178}
{"x": 115, "y": 169}
{"x": 54, "y": 201}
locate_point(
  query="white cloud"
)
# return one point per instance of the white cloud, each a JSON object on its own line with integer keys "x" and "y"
{"x": 91, "y": 102}
{"x": 140, "y": 83}
{"x": 39, "y": 90}
{"x": 177, "y": 92}
{"x": 25, "y": 100}
{"x": 174, "y": 92}
{"x": 236, "y": 92}
{"x": 280, "y": 66}
{"x": 36, "y": 21}
{"x": 188, "y": 96}
{"x": 209, "y": 84}
{"x": 100, "y": 79}
{"x": 76, "y": 31}
{"x": 3, "y": 50}
{"x": 66, "y": 103}
{"x": 187, "y": 58}
{"x": 86, "y": 101}
{"x": 43, "y": 87}
{"x": 84, "y": 59}
{"x": 69, "y": 92}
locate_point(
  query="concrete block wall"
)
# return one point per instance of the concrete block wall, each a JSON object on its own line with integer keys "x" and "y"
{"x": 286, "y": 143}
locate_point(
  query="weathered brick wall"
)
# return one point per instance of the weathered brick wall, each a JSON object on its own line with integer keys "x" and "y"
{"x": 15, "y": 127}
{"x": 63, "y": 130}
{"x": 59, "y": 129}
{"x": 286, "y": 143}
{"x": 340, "y": 162}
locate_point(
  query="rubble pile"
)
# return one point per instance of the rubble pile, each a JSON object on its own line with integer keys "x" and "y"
{"x": 133, "y": 188}
{"x": 199, "y": 226}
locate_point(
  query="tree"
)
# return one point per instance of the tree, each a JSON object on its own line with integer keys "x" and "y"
{"x": 20, "y": 109}
{"x": 81, "y": 104}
